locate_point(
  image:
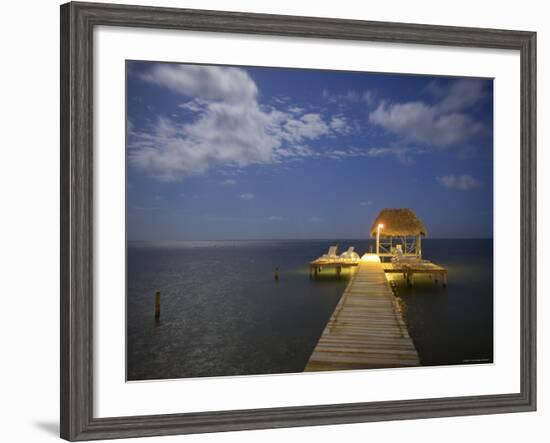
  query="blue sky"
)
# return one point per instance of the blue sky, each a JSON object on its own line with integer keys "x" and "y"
{"x": 217, "y": 152}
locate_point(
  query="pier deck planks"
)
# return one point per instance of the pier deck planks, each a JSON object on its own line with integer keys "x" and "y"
{"x": 366, "y": 329}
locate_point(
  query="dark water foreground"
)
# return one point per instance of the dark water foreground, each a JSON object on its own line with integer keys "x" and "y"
{"x": 224, "y": 314}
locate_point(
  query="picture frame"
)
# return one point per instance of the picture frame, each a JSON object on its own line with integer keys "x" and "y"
{"x": 77, "y": 211}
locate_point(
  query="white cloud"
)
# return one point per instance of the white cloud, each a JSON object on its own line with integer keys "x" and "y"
{"x": 350, "y": 96}
{"x": 315, "y": 219}
{"x": 462, "y": 94}
{"x": 295, "y": 151}
{"x": 401, "y": 153}
{"x": 365, "y": 203}
{"x": 310, "y": 126}
{"x": 460, "y": 182}
{"x": 296, "y": 110}
{"x": 196, "y": 105}
{"x": 281, "y": 99}
{"x": 228, "y": 182}
{"x": 229, "y": 127}
{"x": 369, "y": 97}
{"x": 340, "y": 125}
{"x": 204, "y": 82}
{"x": 247, "y": 196}
{"x": 275, "y": 218}
{"x": 441, "y": 125}
{"x": 421, "y": 123}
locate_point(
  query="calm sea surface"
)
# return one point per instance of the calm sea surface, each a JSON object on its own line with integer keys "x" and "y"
{"x": 224, "y": 314}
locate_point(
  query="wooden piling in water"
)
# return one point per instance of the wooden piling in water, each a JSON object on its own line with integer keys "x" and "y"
{"x": 157, "y": 305}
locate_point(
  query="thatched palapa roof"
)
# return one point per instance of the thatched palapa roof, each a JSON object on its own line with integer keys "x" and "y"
{"x": 399, "y": 223}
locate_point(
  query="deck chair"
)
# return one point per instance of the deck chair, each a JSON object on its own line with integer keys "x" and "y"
{"x": 350, "y": 254}
{"x": 331, "y": 254}
{"x": 400, "y": 258}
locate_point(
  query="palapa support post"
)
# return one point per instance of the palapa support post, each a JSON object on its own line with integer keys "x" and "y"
{"x": 276, "y": 274}
{"x": 338, "y": 271}
{"x": 419, "y": 246}
{"x": 157, "y": 305}
{"x": 444, "y": 279}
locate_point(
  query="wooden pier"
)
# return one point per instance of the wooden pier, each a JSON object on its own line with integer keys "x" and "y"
{"x": 366, "y": 329}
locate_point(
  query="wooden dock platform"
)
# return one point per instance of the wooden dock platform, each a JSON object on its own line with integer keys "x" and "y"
{"x": 366, "y": 329}
{"x": 316, "y": 265}
{"x": 408, "y": 270}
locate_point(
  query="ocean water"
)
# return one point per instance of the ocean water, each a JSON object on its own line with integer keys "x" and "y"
{"x": 223, "y": 313}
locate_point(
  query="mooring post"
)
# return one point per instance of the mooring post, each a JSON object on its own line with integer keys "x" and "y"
{"x": 157, "y": 305}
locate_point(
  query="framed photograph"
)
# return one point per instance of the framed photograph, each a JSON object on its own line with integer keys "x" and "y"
{"x": 273, "y": 221}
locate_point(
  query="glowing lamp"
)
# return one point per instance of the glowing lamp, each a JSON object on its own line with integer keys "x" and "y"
{"x": 380, "y": 226}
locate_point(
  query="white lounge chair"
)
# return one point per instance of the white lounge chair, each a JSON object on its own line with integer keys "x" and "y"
{"x": 400, "y": 258}
{"x": 350, "y": 255}
{"x": 331, "y": 254}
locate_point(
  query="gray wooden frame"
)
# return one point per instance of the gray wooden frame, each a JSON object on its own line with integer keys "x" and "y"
{"x": 77, "y": 23}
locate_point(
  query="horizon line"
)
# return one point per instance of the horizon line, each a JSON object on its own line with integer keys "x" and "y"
{"x": 299, "y": 239}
